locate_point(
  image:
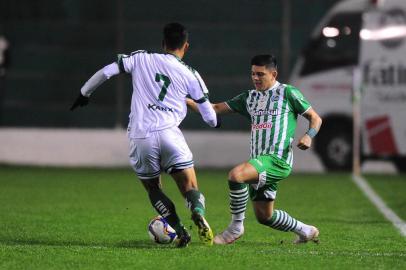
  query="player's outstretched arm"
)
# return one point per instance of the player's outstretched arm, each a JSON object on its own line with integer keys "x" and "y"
{"x": 219, "y": 108}
{"x": 192, "y": 105}
{"x": 95, "y": 81}
{"x": 222, "y": 108}
{"x": 314, "y": 127}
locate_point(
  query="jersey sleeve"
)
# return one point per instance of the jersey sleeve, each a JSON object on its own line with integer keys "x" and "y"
{"x": 239, "y": 104}
{"x": 197, "y": 88}
{"x": 296, "y": 99}
{"x": 202, "y": 84}
{"x": 126, "y": 63}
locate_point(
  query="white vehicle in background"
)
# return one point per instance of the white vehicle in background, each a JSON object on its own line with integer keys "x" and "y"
{"x": 368, "y": 36}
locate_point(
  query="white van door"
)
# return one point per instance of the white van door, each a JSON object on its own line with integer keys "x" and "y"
{"x": 383, "y": 69}
{"x": 324, "y": 74}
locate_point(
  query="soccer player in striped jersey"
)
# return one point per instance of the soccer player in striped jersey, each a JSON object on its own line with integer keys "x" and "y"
{"x": 161, "y": 82}
{"x": 272, "y": 108}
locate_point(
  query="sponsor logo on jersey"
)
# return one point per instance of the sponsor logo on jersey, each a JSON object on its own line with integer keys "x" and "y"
{"x": 261, "y": 126}
{"x": 154, "y": 107}
{"x": 266, "y": 112}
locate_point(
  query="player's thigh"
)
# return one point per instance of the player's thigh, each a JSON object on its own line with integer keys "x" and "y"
{"x": 270, "y": 170}
{"x": 175, "y": 153}
{"x": 145, "y": 157}
{"x": 243, "y": 173}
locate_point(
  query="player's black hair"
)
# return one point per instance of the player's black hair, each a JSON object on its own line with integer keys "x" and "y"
{"x": 267, "y": 60}
{"x": 175, "y": 36}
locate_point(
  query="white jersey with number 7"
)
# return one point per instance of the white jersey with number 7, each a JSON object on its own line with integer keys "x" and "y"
{"x": 161, "y": 83}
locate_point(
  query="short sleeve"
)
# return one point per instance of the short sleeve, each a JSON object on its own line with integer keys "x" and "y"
{"x": 239, "y": 104}
{"x": 296, "y": 99}
{"x": 126, "y": 63}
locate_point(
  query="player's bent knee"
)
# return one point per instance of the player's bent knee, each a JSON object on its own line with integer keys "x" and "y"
{"x": 263, "y": 216}
{"x": 235, "y": 176}
{"x": 263, "y": 220}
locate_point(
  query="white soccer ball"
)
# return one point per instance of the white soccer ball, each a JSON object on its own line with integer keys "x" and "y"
{"x": 160, "y": 231}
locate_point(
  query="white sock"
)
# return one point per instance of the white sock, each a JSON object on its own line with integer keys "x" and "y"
{"x": 236, "y": 226}
{"x": 302, "y": 229}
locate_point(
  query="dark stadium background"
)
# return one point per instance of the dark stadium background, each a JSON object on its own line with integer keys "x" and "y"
{"x": 55, "y": 46}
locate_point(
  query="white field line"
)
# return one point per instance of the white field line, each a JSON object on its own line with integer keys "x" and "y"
{"x": 380, "y": 204}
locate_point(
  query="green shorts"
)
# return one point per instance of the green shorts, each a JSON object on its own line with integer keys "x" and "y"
{"x": 271, "y": 170}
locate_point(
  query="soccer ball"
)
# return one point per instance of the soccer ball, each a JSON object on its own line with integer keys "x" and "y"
{"x": 160, "y": 231}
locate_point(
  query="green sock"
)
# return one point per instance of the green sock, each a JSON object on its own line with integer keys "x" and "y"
{"x": 195, "y": 201}
{"x": 282, "y": 221}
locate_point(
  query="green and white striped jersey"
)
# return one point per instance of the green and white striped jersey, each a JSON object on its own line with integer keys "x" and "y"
{"x": 273, "y": 114}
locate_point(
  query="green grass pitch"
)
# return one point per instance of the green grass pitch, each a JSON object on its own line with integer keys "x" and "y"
{"x": 97, "y": 219}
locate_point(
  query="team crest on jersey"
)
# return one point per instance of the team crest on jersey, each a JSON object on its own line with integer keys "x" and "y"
{"x": 276, "y": 95}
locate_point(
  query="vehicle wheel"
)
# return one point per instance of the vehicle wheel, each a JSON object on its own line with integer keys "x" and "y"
{"x": 400, "y": 164}
{"x": 334, "y": 146}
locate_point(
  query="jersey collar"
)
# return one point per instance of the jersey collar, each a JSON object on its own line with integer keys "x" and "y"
{"x": 276, "y": 85}
{"x": 174, "y": 56}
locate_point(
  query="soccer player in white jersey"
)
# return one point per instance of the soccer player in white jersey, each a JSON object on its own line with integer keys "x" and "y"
{"x": 272, "y": 108}
{"x": 161, "y": 82}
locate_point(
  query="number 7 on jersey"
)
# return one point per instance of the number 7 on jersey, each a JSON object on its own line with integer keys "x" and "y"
{"x": 167, "y": 82}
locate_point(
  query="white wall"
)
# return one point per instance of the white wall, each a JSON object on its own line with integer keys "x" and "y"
{"x": 108, "y": 148}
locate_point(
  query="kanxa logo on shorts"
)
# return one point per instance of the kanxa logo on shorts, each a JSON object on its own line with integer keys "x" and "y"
{"x": 159, "y": 108}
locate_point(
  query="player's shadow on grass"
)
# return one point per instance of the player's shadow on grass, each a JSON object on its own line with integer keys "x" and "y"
{"x": 129, "y": 244}
{"x": 141, "y": 244}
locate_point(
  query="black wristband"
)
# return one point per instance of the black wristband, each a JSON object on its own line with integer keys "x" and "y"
{"x": 218, "y": 122}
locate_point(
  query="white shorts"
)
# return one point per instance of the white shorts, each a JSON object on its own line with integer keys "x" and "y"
{"x": 164, "y": 150}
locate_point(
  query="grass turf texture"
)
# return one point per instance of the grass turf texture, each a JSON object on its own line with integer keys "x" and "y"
{"x": 97, "y": 219}
{"x": 392, "y": 189}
